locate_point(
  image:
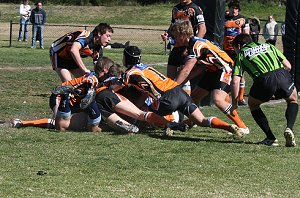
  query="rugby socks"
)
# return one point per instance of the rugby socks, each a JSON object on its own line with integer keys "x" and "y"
{"x": 64, "y": 110}
{"x": 291, "y": 114}
{"x": 217, "y": 123}
{"x": 242, "y": 91}
{"x": 94, "y": 116}
{"x": 234, "y": 116}
{"x": 262, "y": 121}
{"x": 43, "y": 123}
{"x": 155, "y": 120}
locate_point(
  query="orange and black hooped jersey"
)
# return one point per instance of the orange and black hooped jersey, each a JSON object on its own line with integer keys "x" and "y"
{"x": 234, "y": 26}
{"x": 148, "y": 80}
{"x": 209, "y": 54}
{"x": 62, "y": 46}
{"x": 82, "y": 85}
{"x": 190, "y": 12}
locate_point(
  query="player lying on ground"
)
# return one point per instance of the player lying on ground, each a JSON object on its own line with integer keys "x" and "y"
{"x": 77, "y": 99}
{"x": 270, "y": 72}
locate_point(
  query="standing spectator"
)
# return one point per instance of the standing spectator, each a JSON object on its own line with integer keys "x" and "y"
{"x": 66, "y": 52}
{"x": 283, "y": 32}
{"x": 269, "y": 70}
{"x": 25, "y": 10}
{"x": 271, "y": 30}
{"x": 254, "y": 28}
{"x": 38, "y": 20}
{"x": 235, "y": 24}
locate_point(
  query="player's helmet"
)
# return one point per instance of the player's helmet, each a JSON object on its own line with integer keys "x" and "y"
{"x": 132, "y": 56}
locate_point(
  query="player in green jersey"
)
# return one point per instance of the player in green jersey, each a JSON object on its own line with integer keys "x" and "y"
{"x": 269, "y": 70}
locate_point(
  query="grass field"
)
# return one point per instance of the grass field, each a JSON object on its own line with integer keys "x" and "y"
{"x": 199, "y": 163}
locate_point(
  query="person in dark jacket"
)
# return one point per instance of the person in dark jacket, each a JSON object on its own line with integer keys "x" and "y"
{"x": 38, "y": 20}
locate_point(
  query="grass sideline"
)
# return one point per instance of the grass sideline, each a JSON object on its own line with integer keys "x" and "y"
{"x": 199, "y": 163}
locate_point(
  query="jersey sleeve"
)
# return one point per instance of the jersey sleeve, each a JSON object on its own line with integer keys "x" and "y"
{"x": 199, "y": 17}
{"x": 278, "y": 53}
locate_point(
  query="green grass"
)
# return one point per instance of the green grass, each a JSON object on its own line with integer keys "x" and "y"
{"x": 202, "y": 162}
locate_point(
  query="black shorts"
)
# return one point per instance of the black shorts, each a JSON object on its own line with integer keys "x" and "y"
{"x": 177, "y": 56}
{"x": 278, "y": 83}
{"x": 211, "y": 80}
{"x": 58, "y": 62}
{"x": 173, "y": 100}
{"x": 106, "y": 101}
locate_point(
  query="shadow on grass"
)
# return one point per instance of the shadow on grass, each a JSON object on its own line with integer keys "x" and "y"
{"x": 203, "y": 138}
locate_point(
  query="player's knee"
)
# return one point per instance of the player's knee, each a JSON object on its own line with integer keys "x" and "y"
{"x": 190, "y": 109}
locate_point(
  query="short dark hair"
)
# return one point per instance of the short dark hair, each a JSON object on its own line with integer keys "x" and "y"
{"x": 234, "y": 3}
{"x": 242, "y": 39}
{"x": 37, "y": 2}
{"x": 102, "y": 28}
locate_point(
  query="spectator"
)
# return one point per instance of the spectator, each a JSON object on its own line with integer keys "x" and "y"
{"x": 38, "y": 20}
{"x": 25, "y": 10}
{"x": 270, "y": 72}
{"x": 271, "y": 30}
{"x": 235, "y": 24}
{"x": 254, "y": 28}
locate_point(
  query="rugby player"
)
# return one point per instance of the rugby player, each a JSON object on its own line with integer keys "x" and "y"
{"x": 66, "y": 53}
{"x": 269, "y": 69}
{"x": 214, "y": 68}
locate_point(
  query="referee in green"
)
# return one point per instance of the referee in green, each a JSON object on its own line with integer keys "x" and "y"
{"x": 269, "y": 70}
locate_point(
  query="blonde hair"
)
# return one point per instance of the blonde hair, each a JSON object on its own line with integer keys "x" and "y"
{"x": 182, "y": 28}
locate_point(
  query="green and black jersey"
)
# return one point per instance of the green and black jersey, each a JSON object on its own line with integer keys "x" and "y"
{"x": 257, "y": 59}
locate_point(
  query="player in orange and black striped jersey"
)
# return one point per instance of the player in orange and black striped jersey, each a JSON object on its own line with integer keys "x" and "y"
{"x": 66, "y": 53}
{"x": 185, "y": 10}
{"x": 216, "y": 74}
{"x": 165, "y": 94}
{"x": 235, "y": 24}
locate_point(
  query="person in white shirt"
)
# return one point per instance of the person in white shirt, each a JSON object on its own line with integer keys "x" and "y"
{"x": 271, "y": 30}
{"x": 25, "y": 11}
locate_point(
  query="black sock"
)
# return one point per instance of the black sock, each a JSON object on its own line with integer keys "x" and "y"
{"x": 291, "y": 114}
{"x": 64, "y": 103}
{"x": 263, "y": 123}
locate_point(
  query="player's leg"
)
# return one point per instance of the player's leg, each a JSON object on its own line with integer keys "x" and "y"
{"x": 42, "y": 123}
{"x": 198, "y": 94}
{"x": 219, "y": 99}
{"x": 128, "y": 108}
{"x": 64, "y": 74}
{"x": 213, "y": 122}
{"x": 63, "y": 115}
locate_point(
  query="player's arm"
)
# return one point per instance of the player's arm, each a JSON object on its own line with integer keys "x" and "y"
{"x": 235, "y": 87}
{"x": 201, "y": 30}
{"x": 287, "y": 65}
{"x": 77, "y": 58}
{"x": 185, "y": 71}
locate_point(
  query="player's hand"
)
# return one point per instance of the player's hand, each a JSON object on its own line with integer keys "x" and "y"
{"x": 87, "y": 71}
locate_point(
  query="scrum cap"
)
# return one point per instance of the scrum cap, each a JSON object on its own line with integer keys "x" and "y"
{"x": 132, "y": 56}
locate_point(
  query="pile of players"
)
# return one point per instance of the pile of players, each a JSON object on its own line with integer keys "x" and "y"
{"x": 111, "y": 97}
